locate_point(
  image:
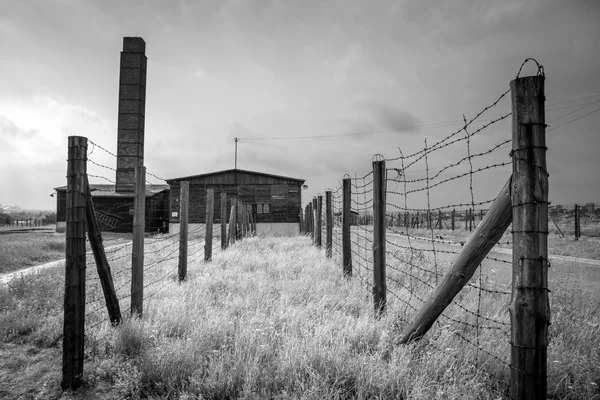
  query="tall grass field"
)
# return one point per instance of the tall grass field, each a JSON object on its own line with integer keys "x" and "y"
{"x": 272, "y": 318}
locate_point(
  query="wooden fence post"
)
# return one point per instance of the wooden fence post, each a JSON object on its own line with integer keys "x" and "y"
{"x": 238, "y": 219}
{"x": 346, "y": 223}
{"x": 74, "y": 300}
{"x": 224, "y": 241}
{"x": 208, "y": 237}
{"x": 232, "y": 222}
{"x": 137, "y": 251}
{"x": 311, "y": 223}
{"x": 379, "y": 202}
{"x": 329, "y": 224}
{"x": 530, "y": 307}
{"x": 184, "y": 198}
{"x": 319, "y": 214}
{"x": 576, "y": 215}
{"x": 106, "y": 280}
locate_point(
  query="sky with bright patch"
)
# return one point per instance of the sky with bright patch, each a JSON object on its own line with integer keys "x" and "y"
{"x": 358, "y": 77}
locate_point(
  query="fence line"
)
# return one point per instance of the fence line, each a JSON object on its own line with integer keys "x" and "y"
{"x": 419, "y": 246}
{"x": 157, "y": 260}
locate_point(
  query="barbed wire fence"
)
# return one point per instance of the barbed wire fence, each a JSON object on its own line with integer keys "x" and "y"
{"x": 107, "y": 297}
{"x": 439, "y": 276}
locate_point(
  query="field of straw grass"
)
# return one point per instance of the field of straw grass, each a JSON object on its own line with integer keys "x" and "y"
{"x": 272, "y": 318}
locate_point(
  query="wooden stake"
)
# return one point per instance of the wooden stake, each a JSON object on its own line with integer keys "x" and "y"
{"x": 319, "y": 215}
{"x": 137, "y": 251}
{"x": 74, "y": 300}
{"x": 184, "y": 198}
{"x": 379, "y": 201}
{"x": 106, "y": 280}
{"x": 208, "y": 237}
{"x": 346, "y": 223}
{"x": 530, "y": 307}
{"x": 487, "y": 234}
{"x": 232, "y": 222}
{"x": 224, "y": 241}
{"x": 329, "y": 224}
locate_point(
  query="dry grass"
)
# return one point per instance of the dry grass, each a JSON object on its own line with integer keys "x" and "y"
{"x": 271, "y": 318}
{"x": 19, "y": 250}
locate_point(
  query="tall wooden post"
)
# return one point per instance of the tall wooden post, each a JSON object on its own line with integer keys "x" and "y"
{"x": 137, "y": 254}
{"x": 315, "y": 220}
{"x": 184, "y": 198}
{"x": 74, "y": 300}
{"x": 328, "y": 224}
{"x": 210, "y": 210}
{"x": 453, "y": 217}
{"x": 379, "y": 203}
{"x": 577, "y": 222}
{"x": 530, "y": 307}
{"x": 310, "y": 224}
{"x": 232, "y": 222}
{"x": 346, "y": 223}
{"x": 238, "y": 219}
{"x": 224, "y": 241}
{"x": 319, "y": 214}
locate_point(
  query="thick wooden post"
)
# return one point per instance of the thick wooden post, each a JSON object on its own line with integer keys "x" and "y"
{"x": 379, "y": 203}
{"x": 137, "y": 254}
{"x": 346, "y": 223}
{"x": 530, "y": 307}
{"x": 184, "y": 198}
{"x": 244, "y": 220}
{"x": 310, "y": 225}
{"x": 74, "y": 300}
{"x": 315, "y": 219}
{"x": 224, "y": 241}
{"x": 453, "y": 217}
{"x": 232, "y": 222}
{"x": 577, "y": 215}
{"x": 106, "y": 280}
{"x": 210, "y": 210}
{"x": 319, "y": 214}
{"x": 328, "y": 224}
{"x": 238, "y": 219}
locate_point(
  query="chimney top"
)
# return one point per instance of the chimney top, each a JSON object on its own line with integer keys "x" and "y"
{"x": 134, "y": 45}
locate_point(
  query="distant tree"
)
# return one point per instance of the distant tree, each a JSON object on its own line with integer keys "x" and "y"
{"x": 5, "y": 219}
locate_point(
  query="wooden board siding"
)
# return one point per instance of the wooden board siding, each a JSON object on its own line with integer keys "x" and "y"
{"x": 281, "y": 193}
{"x": 284, "y": 201}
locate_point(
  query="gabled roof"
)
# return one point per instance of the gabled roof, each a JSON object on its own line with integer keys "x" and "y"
{"x": 107, "y": 190}
{"x": 301, "y": 181}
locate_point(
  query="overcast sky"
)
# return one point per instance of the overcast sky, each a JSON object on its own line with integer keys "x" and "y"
{"x": 283, "y": 69}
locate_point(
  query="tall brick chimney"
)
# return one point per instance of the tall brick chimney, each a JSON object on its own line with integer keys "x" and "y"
{"x": 132, "y": 108}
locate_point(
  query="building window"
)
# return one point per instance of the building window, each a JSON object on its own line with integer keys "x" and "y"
{"x": 262, "y": 208}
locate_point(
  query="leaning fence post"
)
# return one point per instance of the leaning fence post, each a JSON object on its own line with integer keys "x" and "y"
{"x": 379, "y": 202}
{"x": 183, "y": 228}
{"x": 329, "y": 224}
{"x": 224, "y": 241}
{"x": 137, "y": 251}
{"x": 346, "y": 222}
{"x": 530, "y": 308}
{"x": 208, "y": 237}
{"x": 319, "y": 213}
{"x": 74, "y": 300}
{"x": 104, "y": 274}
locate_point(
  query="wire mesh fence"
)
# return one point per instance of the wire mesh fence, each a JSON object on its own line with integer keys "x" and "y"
{"x": 437, "y": 202}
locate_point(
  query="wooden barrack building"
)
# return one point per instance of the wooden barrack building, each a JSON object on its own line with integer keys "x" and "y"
{"x": 274, "y": 200}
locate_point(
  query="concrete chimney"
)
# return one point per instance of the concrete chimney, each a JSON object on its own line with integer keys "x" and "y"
{"x": 132, "y": 108}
